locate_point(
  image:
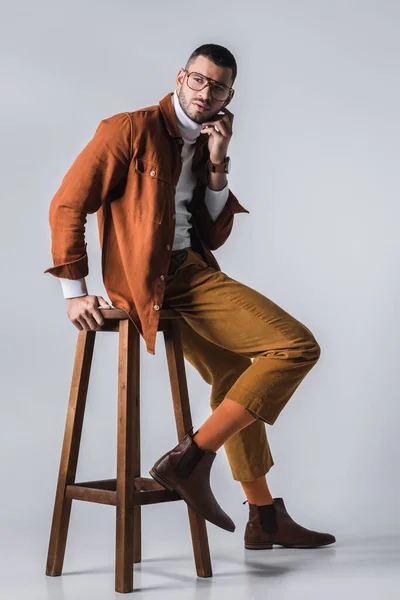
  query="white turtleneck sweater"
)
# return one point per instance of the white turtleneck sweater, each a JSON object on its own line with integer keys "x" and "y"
{"x": 215, "y": 199}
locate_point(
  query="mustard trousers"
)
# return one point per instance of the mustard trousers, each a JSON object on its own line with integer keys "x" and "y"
{"x": 242, "y": 344}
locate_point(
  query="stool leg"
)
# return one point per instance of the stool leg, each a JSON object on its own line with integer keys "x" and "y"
{"x": 183, "y": 419}
{"x": 128, "y": 399}
{"x": 70, "y": 451}
{"x": 137, "y": 510}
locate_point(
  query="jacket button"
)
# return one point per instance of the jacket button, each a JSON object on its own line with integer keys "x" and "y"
{"x": 162, "y": 277}
{"x": 168, "y": 247}
{"x": 152, "y": 173}
{"x": 156, "y": 307}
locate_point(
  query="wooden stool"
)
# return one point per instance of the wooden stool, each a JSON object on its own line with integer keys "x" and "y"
{"x": 129, "y": 491}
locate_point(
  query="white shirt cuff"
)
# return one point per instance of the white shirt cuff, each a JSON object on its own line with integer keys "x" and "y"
{"x": 215, "y": 200}
{"x": 72, "y": 288}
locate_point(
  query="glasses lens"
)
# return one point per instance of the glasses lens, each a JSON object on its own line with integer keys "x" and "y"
{"x": 219, "y": 92}
{"x": 197, "y": 82}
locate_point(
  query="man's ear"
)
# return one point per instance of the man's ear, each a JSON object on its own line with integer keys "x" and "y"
{"x": 180, "y": 77}
{"x": 229, "y": 99}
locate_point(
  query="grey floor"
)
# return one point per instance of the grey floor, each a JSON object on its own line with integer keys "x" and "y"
{"x": 353, "y": 567}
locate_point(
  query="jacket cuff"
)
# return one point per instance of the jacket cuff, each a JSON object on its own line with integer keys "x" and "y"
{"x": 76, "y": 269}
{"x": 232, "y": 206}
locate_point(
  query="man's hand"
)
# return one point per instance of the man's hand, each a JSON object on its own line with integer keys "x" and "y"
{"x": 83, "y": 311}
{"x": 220, "y": 132}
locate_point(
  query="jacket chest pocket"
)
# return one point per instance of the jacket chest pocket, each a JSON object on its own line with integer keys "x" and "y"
{"x": 154, "y": 184}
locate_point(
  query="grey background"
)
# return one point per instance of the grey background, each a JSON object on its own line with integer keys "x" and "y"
{"x": 315, "y": 159}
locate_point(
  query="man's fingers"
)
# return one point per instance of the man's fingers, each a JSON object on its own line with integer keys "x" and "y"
{"x": 96, "y": 318}
{"x": 220, "y": 127}
{"x": 103, "y": 303}
{"x": 85, "y": 313}
{"x": 220, "y": 122}
{"x": 91, "y": 322}
{"x": 228, "y": 112}
{"x": 78, "y": 324}
{"x": 216, "y": 120}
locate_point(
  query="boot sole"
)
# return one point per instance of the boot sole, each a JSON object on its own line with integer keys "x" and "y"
{"x": 155, "y": 475}
{"x": 270, "y": 546}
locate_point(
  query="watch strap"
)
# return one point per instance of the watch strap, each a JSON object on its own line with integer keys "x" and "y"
{"x": 219, "y": 167}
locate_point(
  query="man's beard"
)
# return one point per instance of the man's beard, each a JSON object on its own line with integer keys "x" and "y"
{"x": 196, "y": 117}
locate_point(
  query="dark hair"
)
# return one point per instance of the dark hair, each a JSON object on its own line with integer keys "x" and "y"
{"x": 219, "y": 55}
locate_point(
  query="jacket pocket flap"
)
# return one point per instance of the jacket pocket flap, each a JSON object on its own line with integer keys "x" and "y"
{"x": 152, "y": 169}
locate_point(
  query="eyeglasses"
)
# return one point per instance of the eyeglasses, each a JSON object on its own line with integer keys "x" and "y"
{"x": 197, "y": 82}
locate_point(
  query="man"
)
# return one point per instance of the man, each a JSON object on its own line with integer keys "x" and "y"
{"x": 157, "y": 179}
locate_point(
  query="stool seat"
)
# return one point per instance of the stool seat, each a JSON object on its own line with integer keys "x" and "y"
{"x": 128, "y": 491}
{"x": 119, "y": 314}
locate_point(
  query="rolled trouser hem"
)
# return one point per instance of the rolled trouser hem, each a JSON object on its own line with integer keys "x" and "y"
{"x": 257, "y": 416}
{"x": 256, "y": 405}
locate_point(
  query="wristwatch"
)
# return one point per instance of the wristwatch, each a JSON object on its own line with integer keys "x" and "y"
{"x": 223, "y": 167}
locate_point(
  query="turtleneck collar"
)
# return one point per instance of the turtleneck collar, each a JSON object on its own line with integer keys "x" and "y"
{"x": 190, "y": 129}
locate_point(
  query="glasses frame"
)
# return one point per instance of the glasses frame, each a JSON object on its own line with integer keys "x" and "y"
{"x": 210, "y": 82}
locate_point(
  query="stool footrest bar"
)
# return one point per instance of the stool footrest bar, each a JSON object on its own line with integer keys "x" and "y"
{"x": 104, "y": 491}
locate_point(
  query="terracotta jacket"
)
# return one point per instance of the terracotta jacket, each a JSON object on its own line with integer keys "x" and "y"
{"x": 127, "y": 175}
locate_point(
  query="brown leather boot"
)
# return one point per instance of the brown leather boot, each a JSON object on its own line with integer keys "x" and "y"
{"x": 271, "y": 524}
{"x": 186, "y": 470}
